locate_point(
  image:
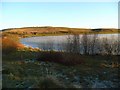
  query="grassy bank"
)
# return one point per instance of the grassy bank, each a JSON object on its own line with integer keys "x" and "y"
{"x": 26, "y": 70}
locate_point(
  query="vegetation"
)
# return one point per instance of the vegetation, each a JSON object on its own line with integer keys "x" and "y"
{"x": 27, "y": 67}
{"x": 60, "y": 57}
{"x": 47, "y": 31}
{"x": 8, "y": 46}
{"x": 92, "y": 45}
{"x": 28, "y": 72}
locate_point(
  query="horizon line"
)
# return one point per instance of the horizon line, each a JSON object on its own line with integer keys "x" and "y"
{"x": 59, "y": 27}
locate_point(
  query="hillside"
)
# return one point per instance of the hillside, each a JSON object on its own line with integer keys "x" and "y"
{"x": 47, "y": 30}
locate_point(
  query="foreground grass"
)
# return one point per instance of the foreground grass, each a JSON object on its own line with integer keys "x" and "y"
{"x": 25, "y": 70}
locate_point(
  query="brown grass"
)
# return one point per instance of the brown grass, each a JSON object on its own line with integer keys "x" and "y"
{"x": 60, "y": 57}
{"x": 9, "y": 45}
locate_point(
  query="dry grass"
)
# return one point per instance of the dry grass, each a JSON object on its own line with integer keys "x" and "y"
{"x": 39, "y": 74}
{"x": 10, "y": 43}
{"x": 40, "y": 31}
{"x": 60, "y": 57}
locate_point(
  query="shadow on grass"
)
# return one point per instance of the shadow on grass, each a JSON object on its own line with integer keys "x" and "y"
{"x": 60, "y": 57}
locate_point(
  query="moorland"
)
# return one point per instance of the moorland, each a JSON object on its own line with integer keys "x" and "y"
{"x": 28, "y": 67}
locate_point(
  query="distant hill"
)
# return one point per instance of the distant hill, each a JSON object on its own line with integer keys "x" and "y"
{"x": 48, "y": 30}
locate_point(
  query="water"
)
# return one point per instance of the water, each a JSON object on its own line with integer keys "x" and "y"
{"x": 58, "y": 42}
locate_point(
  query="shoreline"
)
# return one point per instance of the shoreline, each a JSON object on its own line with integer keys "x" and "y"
{"x": 42, "y": 35}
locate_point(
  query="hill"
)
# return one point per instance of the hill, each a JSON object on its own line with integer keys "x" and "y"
{"x": 48, "y": 30}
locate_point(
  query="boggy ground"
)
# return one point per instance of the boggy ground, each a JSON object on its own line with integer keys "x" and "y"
{"x": 27, "y": 69}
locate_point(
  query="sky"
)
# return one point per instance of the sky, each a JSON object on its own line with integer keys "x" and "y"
{"x": 59, "y": 14}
